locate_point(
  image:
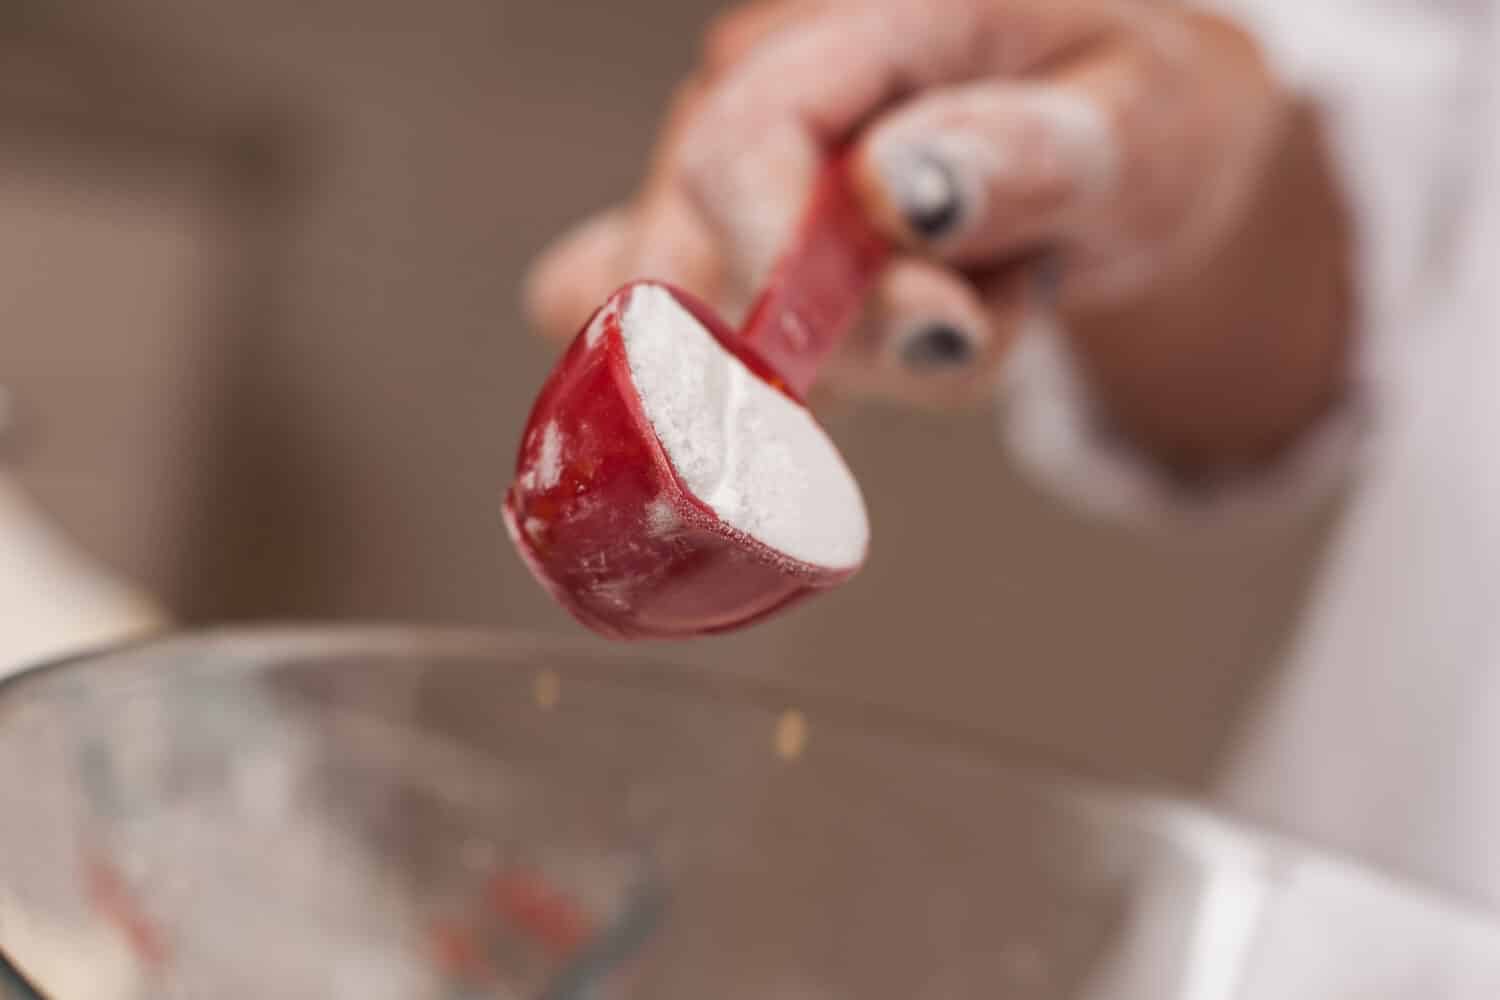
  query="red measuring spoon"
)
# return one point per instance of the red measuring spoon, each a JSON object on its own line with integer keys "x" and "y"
{"x": 670, "y": 480}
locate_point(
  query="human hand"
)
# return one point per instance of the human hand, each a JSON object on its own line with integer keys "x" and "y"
{"x": 1017, "y": 150}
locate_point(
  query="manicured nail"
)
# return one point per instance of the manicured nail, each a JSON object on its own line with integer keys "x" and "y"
{"x": 927, "y": 192}
{"x": 937, "y": 347}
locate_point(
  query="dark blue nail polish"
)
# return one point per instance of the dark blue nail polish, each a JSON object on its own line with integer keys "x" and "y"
{"x": 929, "y": 196}
{"x": 937, "y": 347}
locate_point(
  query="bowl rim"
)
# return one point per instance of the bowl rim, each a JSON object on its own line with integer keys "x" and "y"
{"x": 671, "y": 669}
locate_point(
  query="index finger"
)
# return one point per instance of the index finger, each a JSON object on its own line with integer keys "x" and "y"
{"x": 750, "y": 155}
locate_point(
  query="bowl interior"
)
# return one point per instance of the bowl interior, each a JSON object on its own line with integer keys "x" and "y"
{"x": 389, "y": 814}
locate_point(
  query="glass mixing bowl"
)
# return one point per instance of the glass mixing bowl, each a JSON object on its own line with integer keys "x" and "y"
{"x": 404, "y": 814}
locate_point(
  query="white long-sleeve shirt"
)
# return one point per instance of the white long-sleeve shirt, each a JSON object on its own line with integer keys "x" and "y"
{"x": 1381, "y": 737}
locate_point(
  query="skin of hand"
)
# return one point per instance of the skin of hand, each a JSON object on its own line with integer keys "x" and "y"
{"x": 1125, "y": 169}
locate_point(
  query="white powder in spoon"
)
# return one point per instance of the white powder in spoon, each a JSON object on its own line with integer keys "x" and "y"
{"x": 754, "y": 456}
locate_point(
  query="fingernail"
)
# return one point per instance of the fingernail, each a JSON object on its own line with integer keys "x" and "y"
{"x": 937, "y": 347}
{"x": 927, "y": 192}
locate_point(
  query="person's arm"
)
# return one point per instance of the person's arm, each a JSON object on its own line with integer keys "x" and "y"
{"x": 1218, "y": 369}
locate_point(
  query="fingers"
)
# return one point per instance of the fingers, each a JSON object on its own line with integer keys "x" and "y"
{"x": 930, "y": 336}
{"x": 747, "y": 136}
{"x": 734, "y": 34}
{"x": 663, "y": 235}
{"x": 982, "y": 171}
{"x": 1038, "y": 127}
{"x": 1117, "y": 156}
{"x": 749, "y": 158}
{"x": 574, "y": 275}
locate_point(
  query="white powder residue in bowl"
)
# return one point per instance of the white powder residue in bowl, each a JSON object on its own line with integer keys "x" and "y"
{"x": 757, "y": 458}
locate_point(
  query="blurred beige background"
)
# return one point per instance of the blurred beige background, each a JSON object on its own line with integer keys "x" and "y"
{"x": 259, "y": 272}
